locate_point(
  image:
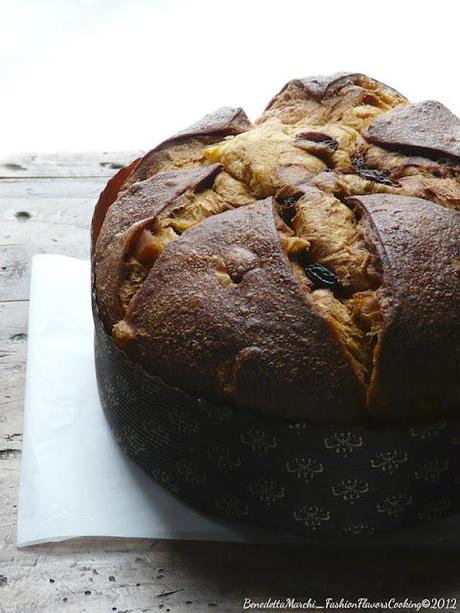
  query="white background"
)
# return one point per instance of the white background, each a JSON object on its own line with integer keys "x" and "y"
{"x": 112, "y": 75}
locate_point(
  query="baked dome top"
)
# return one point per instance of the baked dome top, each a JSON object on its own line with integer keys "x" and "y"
{"x": 305, "y": 266}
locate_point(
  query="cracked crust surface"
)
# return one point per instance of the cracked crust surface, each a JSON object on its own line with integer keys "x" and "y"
{"x": 306, "y": 266}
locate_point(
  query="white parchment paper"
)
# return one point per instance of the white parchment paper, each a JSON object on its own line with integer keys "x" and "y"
{"x": 75, "y": 479}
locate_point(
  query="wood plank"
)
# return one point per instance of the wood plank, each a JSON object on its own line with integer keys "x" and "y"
{"x": 89, "y": 164}
{"x": 13, "y": 344}
{"x": 42, "y": 216}
{"x": 48, "y": 187}
{"x": 14, "y": 273}
{"x": 136, "y": 576}
{"x": 39, "y": 236}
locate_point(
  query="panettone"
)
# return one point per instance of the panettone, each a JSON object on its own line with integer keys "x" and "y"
{"x": 276, "y": 310}
{"x": 304, "y": 267}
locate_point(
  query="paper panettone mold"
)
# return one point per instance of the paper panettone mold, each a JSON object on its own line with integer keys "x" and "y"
{"x": 291, "y": 477}
{"x": 276, "y": 310}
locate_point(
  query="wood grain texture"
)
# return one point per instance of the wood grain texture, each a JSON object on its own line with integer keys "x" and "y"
{"x": 45, "y": 207}
{"x": 102, "y": 164}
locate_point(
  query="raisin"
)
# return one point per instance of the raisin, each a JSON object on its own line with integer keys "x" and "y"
{"x": 287, "y": 208}
{"x": 379, "y": 176}
{"x": 321, "y": 276}
{"x": 319, "y": 138}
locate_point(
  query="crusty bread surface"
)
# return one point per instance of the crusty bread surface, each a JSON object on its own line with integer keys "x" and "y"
{"x": 306, "y": 266}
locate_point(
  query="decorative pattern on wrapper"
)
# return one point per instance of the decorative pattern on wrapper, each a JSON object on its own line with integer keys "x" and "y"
{"x": 291, "y": 478}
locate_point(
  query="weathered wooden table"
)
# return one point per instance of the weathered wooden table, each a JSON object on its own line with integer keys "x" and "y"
{"x": 46, "y": 203}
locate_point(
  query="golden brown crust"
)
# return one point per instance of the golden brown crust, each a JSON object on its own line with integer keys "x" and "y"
{"x": 136, "y": 207}
{"x": 257, "y": 341}
{"x": 185, "y": 149}
{"x": 329, "y": 96}
{"x": 219, "y": 292}
{"x": 426, "y": 127}
{"x": 210, "y": 128}
{"x": 417, "y": 358}
{"x": 108, "y": 197}
{"x": 320, "y": 86}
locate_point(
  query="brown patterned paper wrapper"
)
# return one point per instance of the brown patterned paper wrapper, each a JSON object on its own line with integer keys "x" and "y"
{"x": 292, "y": 478}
